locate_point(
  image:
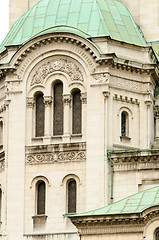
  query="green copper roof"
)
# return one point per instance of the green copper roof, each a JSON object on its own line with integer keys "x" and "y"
{"x": 88, "y": 18}
{"x": 136, "y": 203}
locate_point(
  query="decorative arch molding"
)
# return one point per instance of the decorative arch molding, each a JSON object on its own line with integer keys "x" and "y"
{"x": 70, "y": 176}
{"x": 45, "y": 45}
{"x": 39, "y": 178}
{"x": 126, "y": 109}
{"x": 57, "y": 64}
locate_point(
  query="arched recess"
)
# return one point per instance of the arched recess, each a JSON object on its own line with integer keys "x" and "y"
{"x": 71, "y": 184}
{"x": 76, "y": 111}
{"x": 39, "y": 114}
{"x": 58, "y": 110}
{"x": 39, "y": 186}
{"x": 125, "y": 117}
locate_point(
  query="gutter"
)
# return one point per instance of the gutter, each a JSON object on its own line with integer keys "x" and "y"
{"x": 111, "y": 177}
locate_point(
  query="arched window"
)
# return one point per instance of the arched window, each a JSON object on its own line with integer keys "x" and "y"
{"x": 0, "y": 204}
{"x": 1, "y": 133}
{"x": 124, "y": 124}
{"x": 41, "y": 189}
{"x": 71, "y": 196}
{"x": 157, "y": 235}
{"x": 76, "y": 112}
{"x": 58, "y": 109}
{"x": 40, "y": 115}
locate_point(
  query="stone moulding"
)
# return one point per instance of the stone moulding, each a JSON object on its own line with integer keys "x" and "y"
{"x": 55, "y": 65}
{"x": 88, "y": 225}
{"x": 135, "y": 160}
{"x": 57, "y": 153}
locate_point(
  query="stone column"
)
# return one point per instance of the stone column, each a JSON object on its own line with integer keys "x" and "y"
{"x": 48, "y": 103}
{"x": 106, "y": 170}
{"x": 30, "y": 119}
{"x": 84, "y": 113}
{"x": 148, "y": 104}
{"x": 66, "y": 102}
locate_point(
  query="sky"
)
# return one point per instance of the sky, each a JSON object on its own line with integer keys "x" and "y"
{"x": 4, "y": 19}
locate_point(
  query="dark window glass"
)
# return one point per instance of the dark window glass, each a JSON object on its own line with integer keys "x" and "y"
{"x": 58, "y": 109}
{"x": 40, "y": 112}
{"x": 40, "y": 197}
{"x": 76, "y": 113}
{"x": 1, "y": 133}
{"x": 157, "y": 235}
{"x": 123, "y": 124}
{"x": 72, "y": 196}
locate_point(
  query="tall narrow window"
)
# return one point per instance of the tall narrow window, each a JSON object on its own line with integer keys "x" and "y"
{"x": 40, "y": 113}
{"x": 124, "y": 124}
{"x": 72, "y": 196}
{"x": 58, "y": 109}
{"x": 157, "y": 235}
{"x": 1, "y": 133}
{"x": 41, "y": 197}
{"x": 0, "y": 205}
{"x": 76, "y": 112}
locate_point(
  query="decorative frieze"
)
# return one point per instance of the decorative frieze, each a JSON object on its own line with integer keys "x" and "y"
{"x": 125, "y": 99}
{"x": 132, "y": 161}
{"x": 57, "y": 65}
{"x": 56, "y": 153}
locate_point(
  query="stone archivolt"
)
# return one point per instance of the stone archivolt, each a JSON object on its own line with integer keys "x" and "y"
{"x": 61, "y": 65}
{"x": 56, "y": 153}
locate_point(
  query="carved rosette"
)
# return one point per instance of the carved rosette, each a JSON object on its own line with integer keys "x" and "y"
{"x": 61, "y": 65}
{"x": 56, "y": 157}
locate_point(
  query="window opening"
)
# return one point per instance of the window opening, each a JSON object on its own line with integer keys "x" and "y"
{"x": 40, "y": 115}
{"x": 58, "y": 109}
{"x": 76, "y": 113}
{"x": 157, "y": 235}
{"x": 124, "y": 124}
{"x": 72, "y": 196}
{"x": 41, "y": 197}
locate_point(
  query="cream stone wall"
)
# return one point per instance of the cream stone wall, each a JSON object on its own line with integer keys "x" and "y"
{"x": 146, "y": 15}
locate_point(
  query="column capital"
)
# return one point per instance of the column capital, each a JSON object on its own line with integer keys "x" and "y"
{"x": 84, "y": 98}
{"x": 67, "y": 99}
{"x": 47, "y": 100}
{"x": 148, "y": 103}
{"x": 30, "y": 102}
{"x": 106, "y": 94}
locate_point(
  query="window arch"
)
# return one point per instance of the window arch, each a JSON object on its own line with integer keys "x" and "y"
{"x": 157, "y": 235}
{"x": 40, "y": 115}
{"x": 41, "y": 192}
{"x": 58, "y": 109}
{"x": 76, "y": 112}
{"x": 124, "y": 124}
{"x": 71, "y": 195}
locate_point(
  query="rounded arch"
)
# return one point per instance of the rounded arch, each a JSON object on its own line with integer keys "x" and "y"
{"x": 39, "y": 178}
{"x": 77, "y": 85}
{"x": 125, "y": 109}
{"x": 70, "y": 176}
{"x": 35, "y": 90}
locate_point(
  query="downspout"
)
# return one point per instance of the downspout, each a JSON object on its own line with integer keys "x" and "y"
{"x": 111, "y": 177}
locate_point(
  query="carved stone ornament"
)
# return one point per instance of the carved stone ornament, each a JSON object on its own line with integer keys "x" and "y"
{"x": 30, "y": 102}
{"x": 47, "y": 101}
{"x": 61, "y": 65}
{"x": 56, "y": 157}
{"x": 156, "y": 111}
{"x": 67, "y": 99}
{"x": 102, "y": 77}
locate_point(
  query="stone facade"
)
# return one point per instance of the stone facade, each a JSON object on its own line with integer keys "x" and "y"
{"x": 122, "y": 80}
